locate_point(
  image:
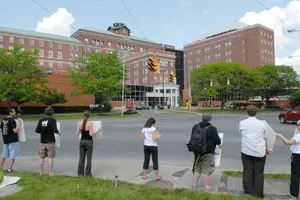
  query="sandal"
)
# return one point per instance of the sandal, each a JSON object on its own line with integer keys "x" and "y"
{"x": 145, "y": 178}
{"x": 157, "y": 178}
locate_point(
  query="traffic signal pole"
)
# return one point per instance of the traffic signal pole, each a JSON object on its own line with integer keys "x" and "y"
{"x": 190, "y": 93}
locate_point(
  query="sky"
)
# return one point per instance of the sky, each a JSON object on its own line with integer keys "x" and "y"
{"x": 173, "y": 22}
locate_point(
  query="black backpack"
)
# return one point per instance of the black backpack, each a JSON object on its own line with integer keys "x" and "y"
{"x": 197, "y": 143}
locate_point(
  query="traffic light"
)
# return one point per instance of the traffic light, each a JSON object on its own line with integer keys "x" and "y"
{"x": 172, "y": 77}
{"x": 153, "y": 64}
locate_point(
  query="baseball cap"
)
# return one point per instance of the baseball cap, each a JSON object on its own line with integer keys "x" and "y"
{"x": 298, "y": 122}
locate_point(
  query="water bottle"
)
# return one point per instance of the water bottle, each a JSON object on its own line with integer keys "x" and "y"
{"x": 116, "y": 181}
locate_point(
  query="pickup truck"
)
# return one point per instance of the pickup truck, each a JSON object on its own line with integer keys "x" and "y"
{"x": 292, "y": 115}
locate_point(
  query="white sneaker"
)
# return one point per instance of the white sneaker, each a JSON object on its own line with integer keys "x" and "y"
{"x": 291, "y": 196}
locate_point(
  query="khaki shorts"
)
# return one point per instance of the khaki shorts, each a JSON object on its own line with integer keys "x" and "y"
{"x": 205, "y": 164}
{"x": 47, "y": 150}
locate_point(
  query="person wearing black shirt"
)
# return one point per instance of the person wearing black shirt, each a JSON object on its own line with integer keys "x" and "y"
{"x": 9, "y": 129}
{"x": 47, "y": 127}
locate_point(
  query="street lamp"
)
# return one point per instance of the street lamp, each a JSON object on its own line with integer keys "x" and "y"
{"x": 297, "y": 56}
{"x": 292, "y": 30}
{"x": 190, "y": 92}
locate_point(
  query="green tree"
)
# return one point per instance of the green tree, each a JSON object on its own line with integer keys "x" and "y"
{"x": 220, "y": 79}
{"x": 99, "y": 75}
{"x": 277, "y": 80}
{"x": 20, "y": 78}
{"x": 51, "y": 96}
{"x": 295, "y": 99}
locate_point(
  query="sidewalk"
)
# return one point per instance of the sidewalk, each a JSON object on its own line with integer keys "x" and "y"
{"x": 172, "y": 177}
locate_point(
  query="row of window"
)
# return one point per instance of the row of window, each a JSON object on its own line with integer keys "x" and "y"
{"x": 267, "y": 51}
{"x": 266, "y": 35}
{"x": 265, "y": 42}
{"x": 41, "y": 43}
{"x": 51, "y": 65}
{"x": 267, "y": 59}
{"x": 219, "y": 46}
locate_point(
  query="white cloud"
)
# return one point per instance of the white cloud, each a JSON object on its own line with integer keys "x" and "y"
{"x": 293, "y": 60}
{"x": 280, "y": 19}
{"x": 58, "y": 23}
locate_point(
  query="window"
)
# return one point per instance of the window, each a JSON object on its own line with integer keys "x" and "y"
{"x": 271, "y": 52}
{"x": 93, "y": 42}
{"x": 71, "y": 47}
{"x": 76, "y": 48}
{"x": 51, "y": 65}
{"x": 41, "y": 63}
{"x": 109, "y": 45}
{"x": 141, "y": 49}
{"x": 265, "y": 42}
{"x": 265, "y": 34}
{"x": 262, "y": 58}
{"x": 136, "y": 81}
{"x": 50, "y": 54}
{"x": 59, "y": 46}
{"x": 86, "y": 41}
{"x": 31, "y": 42}
{"x": 262, "y": 51}
{"x": 145, "y": 79}
{"x": 101, "y": 44}
{"x": 266, "y": 51}
{"x": 1, "y": 38}
{"x": 50, "y": 44}
{"x": 21, "y": 40}
{"x": 59, "y": 66}
{"x": 11, "y": 39}
{"x": 262, "y": 41}
{"x": 124, "y": 32}
{"x": 229, "y": 43}
{"x": 262, "y": 33}
{"x": 1, "y": 46}
{"x": 76, "y": 56}
{"x": 97, "y": 43}
{"x": 41, "y": 43}
{"x": 145, "y": 70}
{"x": 226, "y": 44}
{"x": 59, "y": 55}
{"x": 243, "y": 42}
{"x": 71, "y": 56}
{"x": 41, "y": 53}
{"x": 243, "y": 51}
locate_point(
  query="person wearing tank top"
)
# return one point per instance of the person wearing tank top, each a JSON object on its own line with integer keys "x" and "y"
{"x": 85, "y": 128}
{"x": 150, "y": 137}
{"x": 295, "y": 160}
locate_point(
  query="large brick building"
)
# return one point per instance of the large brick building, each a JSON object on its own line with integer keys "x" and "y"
{"x": 251, "y": 45}
{"x": 58, "y": 52}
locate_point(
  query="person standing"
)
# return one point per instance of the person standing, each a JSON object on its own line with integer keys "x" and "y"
{"x": 254, "y": 149}
{"x": 47, "y": 127}
{"x": 85, "y": 128}
{"x": 11, "y": 147}
{"x": 204, "y": 160}
{"x": 295, "y": 160}
{"x": 150, "y": 137}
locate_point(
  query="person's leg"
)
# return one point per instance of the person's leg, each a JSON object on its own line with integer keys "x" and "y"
{"x": 248, "y": 169}
{"x": 89, "y": 153}
{"x": 14, "y": 151}
{"x": 82, "y": 153}
{"x": 2, "y": 163}
{"x": 208, "y": 167}
{"x": 197, "y": 168}
{"x": 146, "y": 160}
{"x": 42, "y": 154}
{"x": 4, "y": 155}
{"x": 259, "y": 168}
{"x": 295, "y": 175}
{"x": 51, "y": 149}
{"x": 154, "y": 152}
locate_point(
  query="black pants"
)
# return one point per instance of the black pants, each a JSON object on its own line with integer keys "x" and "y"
{"x": 85, "y": 149}
{"x": 295, "y": 174}
{"x": 253, "y": 175}
{"x": 148, "y": 150}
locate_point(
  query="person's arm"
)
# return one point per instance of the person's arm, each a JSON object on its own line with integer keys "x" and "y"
{"x": 78, "y": 127}
{"x": 142, "y": 136}
{"x": 215, "y": 135}
{"x": 285, "y": 140}
{"x": 268, "y": 150}
{"x": 155, "y": 136}
{"x": 16, "y": 126}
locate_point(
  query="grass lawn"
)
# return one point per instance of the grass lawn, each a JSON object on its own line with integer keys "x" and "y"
{"x": 271, "y": 176}
{"x": 69, "y": 116}
{"x": 73, "y": 188}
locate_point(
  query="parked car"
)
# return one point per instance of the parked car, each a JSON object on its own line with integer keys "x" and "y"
{"x": 146, "y": 107}
{"x": 139, "y": 107}
{"x": 292, "y": 115}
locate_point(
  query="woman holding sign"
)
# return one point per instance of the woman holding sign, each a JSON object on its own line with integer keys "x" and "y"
{"x": 85, "y": 128}
{"x": 150, "y": 137}
{"x": 295, "y": 160}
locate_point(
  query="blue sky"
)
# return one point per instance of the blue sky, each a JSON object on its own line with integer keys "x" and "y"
{"x": 175, "y": 22}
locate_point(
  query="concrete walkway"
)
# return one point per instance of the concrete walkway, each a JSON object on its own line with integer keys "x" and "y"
{"x": 172, "y": 177}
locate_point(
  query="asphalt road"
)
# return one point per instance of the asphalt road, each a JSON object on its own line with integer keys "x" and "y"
{"x": 121, "y": 143}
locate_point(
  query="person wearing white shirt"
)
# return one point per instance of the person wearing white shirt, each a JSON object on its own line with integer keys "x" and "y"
{"x": 150, "y": 137}
{"x": 295, "y": 160}
{"x": 254, "y": 148}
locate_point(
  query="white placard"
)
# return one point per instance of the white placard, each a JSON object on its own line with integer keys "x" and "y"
{"x": 218, "y": 151}
{"x": 296, "y": 132}
{"x": 271, "y": 134}
{"x": 21, "y": 134}
{"x": 9, "y": 180}
{"x": 96, "y": 126}
{"x": 57, "y": 136}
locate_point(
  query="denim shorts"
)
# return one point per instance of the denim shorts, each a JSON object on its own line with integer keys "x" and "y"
{"x": 11, "y": 150}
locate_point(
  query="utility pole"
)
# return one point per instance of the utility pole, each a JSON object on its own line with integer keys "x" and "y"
{"x": 164, "y": 88}
{"x": 190, "y": 92}
{"x": 123, "y": 86}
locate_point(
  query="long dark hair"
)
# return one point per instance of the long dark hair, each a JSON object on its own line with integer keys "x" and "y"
{"x": 150, "y": 122}
{"x": 86, "y": 115}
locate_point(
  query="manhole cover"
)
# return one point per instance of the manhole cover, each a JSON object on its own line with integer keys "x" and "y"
{"x": 161, "y": 184}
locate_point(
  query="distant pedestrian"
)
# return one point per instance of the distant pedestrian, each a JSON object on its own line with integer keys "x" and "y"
{"x": 254, "y": 149}
{"x": 11, "y": 147}
{"x": 204, "y": 139}
{"x": 85, "y": 128}
{"x": 150, "y": 137}
{"x": 295, "y": 160}
{"x": 47, "y": 127}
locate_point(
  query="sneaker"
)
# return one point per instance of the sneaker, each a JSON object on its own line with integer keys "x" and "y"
{"x": 195, "y": 186}
{"x": 291, "y": 196}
